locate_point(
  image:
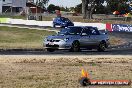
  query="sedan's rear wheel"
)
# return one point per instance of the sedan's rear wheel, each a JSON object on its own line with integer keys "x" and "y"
{"x": 75, "y": 46}
{"x": 50, "y": 50}
{"x": 102, "y": 47}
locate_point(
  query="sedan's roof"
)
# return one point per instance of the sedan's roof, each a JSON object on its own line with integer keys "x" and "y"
{"x": 81, "y": 26}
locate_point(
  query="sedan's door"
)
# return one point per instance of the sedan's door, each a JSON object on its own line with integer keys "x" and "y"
{"x": 94, "y": 36}
{"x": 85, "y": 38}
{"x": 89, "y": 37}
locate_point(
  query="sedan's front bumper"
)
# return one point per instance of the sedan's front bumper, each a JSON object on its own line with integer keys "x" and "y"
{"x": 57, "y": 45}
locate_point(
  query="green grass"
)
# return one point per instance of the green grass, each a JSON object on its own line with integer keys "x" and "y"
{"x": 14, "y": 17}
{"x": 11, "y": 37}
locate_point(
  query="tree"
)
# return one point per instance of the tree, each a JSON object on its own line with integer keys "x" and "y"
{"x": 88, "y": 7}
{"x": 51, "y": 8}
{"x": 100, "y": 10}
{"x": 78, "y": 8}
{"x": 62, "y": 8}
{"x": 71, "y": 9}
{"x": 120, "y": 5}
{"x": 41, "y": 3}
{"x": 67, "y": 9}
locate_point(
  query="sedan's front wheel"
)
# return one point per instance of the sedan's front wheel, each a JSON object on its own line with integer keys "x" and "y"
{"x": 102, "y": 47}
{"x": 75, "y": 46}
{"x": 50, "y": 50}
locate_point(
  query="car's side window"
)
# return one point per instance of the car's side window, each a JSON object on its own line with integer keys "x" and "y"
{"x": 87, "y": 31}
{"x": 58, "y": 19}
{"x": 78, "y": 30}
{"x": 55, "y": 20}
{"x": 93, "y": 31}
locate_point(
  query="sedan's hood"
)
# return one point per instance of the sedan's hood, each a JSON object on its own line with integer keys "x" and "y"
{"x": 59, "y": 37}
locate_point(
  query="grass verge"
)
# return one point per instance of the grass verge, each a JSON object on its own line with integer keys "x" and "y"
{"x": 101, "y": 19}
{"x": 97, "y": 19}
{"x": 12, "y": 37}
{"x": 22, "y": 38}
{"x": 57, "y": 72}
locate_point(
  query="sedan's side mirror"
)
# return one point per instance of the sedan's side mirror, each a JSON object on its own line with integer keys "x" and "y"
{"x": 106, "y": 32}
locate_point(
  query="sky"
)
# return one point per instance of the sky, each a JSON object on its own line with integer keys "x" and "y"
{"x": 68, "y": 3}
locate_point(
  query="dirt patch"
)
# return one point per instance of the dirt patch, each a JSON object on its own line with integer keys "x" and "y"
{"x": 30, "y": 71}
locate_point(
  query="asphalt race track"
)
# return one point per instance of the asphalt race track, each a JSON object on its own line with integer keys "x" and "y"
{"x": 125, "y": 49}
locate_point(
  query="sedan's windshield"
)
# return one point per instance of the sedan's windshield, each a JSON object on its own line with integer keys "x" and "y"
{"x": 65, "y": 20}
{"x": 71, "y": 31}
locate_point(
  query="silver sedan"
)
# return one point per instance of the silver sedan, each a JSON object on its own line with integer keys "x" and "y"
{"x": 77, "y": 38}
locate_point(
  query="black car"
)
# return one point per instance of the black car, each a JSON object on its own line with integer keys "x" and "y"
{"x": 62, "y": 22}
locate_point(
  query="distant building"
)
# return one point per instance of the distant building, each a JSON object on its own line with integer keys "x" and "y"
{"x": 12, "y": 5}
{"x": 34, "y": 12}
{"x": 34, "y": 9}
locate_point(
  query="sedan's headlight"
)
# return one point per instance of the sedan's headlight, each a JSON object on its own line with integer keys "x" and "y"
{"x": 66, "y": 39}
{"x": 45, "y": 39}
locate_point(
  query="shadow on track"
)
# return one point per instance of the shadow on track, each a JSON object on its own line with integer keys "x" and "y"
{"x": 65, "y": 52}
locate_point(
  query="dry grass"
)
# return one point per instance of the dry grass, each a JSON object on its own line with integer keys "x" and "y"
{"x": 116, "y": 41}
{"x": 97, "y": 19}
{"x": 11, "y": 37}
{"x": 61, "y": 71}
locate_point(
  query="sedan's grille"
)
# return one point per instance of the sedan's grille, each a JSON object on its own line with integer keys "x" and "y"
{"x": 53, "y": 40}
{"x": 54, "y": 46}
{"x": 56, "y": 40}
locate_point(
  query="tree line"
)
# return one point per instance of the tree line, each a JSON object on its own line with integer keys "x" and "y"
{"x": 88, "y": 7}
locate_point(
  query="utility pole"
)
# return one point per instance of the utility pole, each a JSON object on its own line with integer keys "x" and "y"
{"x": 12, "y": 8}
{"x": 36, "y": 10}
